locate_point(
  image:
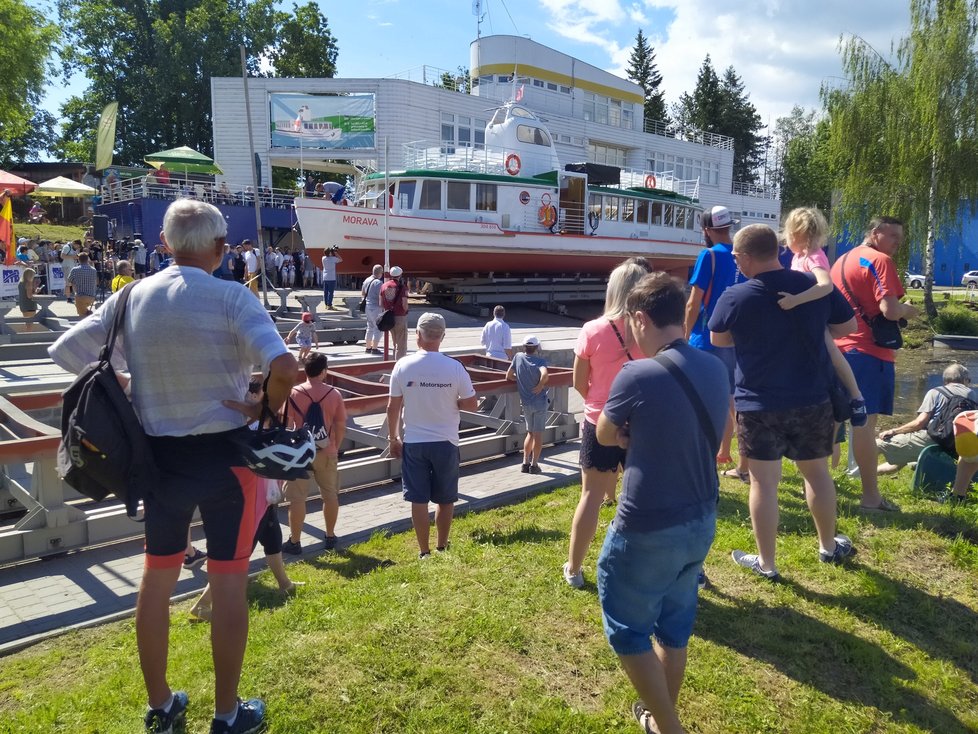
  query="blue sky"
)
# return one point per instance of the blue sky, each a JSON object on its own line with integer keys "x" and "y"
{"x": 783, "y": 49}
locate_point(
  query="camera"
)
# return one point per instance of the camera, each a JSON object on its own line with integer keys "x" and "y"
{"x": 332, "y": 250}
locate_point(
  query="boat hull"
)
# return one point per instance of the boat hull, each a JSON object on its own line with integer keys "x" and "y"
{"x": 440, "y": 247}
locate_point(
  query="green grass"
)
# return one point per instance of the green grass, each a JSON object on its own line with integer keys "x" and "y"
{"x": 489, "y": 639}
{"x": 53, "y": 232}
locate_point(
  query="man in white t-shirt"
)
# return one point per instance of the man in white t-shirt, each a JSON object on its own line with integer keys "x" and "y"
{"x": 251, "y": 266}
{"x": 138, "y": 256}
{"x": 431, "y": 389}
{"x": 330, "y": 261}
{"x": 497, "y": 337}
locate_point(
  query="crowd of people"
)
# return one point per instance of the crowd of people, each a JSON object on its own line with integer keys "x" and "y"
{"x": 750, "y": 349}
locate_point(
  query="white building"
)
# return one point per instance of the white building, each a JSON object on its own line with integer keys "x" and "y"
{"x": 593, "y": 115}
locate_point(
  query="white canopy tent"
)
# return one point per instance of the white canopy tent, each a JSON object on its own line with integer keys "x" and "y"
{"x": 61, "y": 187}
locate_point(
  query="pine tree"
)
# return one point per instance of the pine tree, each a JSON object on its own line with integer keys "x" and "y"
{"x": 701, "y": 110}
{"x": 739, "y": 120}
{"x": 643, "y": 71}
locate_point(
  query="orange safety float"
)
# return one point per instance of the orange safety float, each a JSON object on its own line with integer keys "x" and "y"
{"x": 650, "y": 181}
{"x": 547, "y": 215}
{"x": 513, "y": 164}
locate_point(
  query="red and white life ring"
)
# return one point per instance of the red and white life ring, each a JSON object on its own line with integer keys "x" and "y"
{"x": 650, "y": 181}
{"x": 513, "y": 164}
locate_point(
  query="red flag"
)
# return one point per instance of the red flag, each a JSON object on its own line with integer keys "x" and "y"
{"x": 519, "y": 94}
{"x": 7, "y": 230}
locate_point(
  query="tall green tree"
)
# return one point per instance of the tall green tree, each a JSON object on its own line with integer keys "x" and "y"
{"x": 904, "y": 134}
{"x": 799, "y": 122}
{"x": 806, "y": 170}
{"x": 305, "y": 47}
{"x": 643, "y": 70}
{"x": 27, "y": 42}
{"x": 723, "y": 106}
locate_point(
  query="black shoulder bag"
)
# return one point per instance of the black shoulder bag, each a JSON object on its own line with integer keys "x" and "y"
{"x": 886, "y": 333}
{"x": 621, "y": 341}
{"x": 104, "y": 449}
{"x": 712, "y": 437}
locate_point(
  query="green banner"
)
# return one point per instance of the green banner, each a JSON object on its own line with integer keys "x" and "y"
{"x": 106, "y": 137}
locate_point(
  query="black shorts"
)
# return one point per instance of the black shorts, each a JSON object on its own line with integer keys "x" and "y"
{"x": 140, "y": 269}
{"x": 205, "y": 472}
{"x": 596, "y": 456}
{"x": 799, "y": 434}
{"x": 269, "y": 532}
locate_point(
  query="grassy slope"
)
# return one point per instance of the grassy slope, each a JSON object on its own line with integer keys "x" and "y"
{"x": 53, "y": 232}
{"x": 489, "y": 639}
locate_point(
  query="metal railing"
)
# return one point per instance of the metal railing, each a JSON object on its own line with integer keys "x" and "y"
{"x": 662, "y": 180}
{"x": 690, "y": 135}
{"x": 755, "y": 191}
{"x": 470, "y": 158}
{"x": 150, "y": 187}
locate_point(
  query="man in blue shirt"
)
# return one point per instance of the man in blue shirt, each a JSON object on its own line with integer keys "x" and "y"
{"x": 670, "y": 423}
{"x": 714, "y": 272}
{"x": 529, "y": 370}
{"x": 782, "y": 393}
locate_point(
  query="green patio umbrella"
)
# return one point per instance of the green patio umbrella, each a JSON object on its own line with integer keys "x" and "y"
{"x": 183, "y": 160}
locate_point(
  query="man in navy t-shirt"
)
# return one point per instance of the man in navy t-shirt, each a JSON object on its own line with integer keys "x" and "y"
{"x": 666, "y": 519}
{"x": 714, "y": 272}
{"x": 782, "y": 397}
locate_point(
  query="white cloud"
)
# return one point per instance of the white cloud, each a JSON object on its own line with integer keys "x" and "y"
{"x": 783, "y": 49}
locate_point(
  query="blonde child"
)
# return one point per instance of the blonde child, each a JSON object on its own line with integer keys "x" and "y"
{"x": 805, "y": 231}
{"x": 305, "y": 336}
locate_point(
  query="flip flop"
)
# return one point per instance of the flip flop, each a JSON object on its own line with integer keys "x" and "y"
{"x": 884, "y": 506}
{"x": 735, "y": 474}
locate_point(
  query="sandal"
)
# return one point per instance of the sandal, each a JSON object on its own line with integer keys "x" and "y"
{"x": 884, "y": 506}
{"x": 644, "y": 718}
{"x": 737, "y": 474}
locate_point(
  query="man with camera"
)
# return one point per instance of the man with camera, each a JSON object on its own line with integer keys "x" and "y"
{"x": 870, "y": 281}
{"x": 330, "y": 261}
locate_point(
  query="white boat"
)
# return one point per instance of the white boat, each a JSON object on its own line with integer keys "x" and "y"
{"x": 306, "y": 130}
{"x": 507, "y": 207}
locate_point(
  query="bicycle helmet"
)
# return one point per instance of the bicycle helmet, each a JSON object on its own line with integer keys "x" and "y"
{"x": 278, "y": 453}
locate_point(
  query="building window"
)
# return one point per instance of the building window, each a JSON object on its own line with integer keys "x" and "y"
{"x": 607, "y": 154}
{"x": 458, "y": 195}
{"x": 538, "y": 83}
{"x": 551, "y": 86}
{"x": 485, "y": 197}
{"x": 565, "y": 90}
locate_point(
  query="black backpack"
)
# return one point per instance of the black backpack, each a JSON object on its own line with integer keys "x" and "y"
{"x": 940, "y": 428}
{"x": 104, "y": 449}
{"x": 314, "y": 419}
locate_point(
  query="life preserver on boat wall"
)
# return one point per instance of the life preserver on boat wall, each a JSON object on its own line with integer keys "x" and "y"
{"x": 548, "y": 216}
{"x": 513, "y": 164}
{"x": 592, "y": 220}
{"x": 650, "y": 181}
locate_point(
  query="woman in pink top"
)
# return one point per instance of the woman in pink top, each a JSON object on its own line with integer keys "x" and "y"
{"x": 603, "y": 346}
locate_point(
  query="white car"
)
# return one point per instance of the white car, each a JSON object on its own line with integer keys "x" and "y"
{"x": 970, "y": 279}
{"x": 915, "y": 280}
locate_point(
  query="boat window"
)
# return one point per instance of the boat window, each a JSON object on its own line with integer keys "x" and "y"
{"x": 627, "y": 210}
{"x": 690, "y": 219}
{"x": 595, "y": 206}
{"x": 485, "y": 197}
{"x": 533, "y": 135}
{"x": 430, "y": 195}
{"x": 458, "y": 195}
{"x": 499, "y": 117}
{"x": 520, "y": 112}
{"x": 405, "y": 194}
{"x": 668, "y": 215}
{"x": 656, "y": 213}
{"x": 611, "y": 208}
{"x": 681, "y": 217}
{"x": 642, "y": 212}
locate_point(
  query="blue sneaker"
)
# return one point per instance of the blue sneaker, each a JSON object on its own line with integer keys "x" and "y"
{"x": 859, "y": 416}
{"x": 159, "y": 721}
{"x": 250, "y": 719}
{"x": 843, "y": 549}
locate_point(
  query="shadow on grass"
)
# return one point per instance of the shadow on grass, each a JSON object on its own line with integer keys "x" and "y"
{"x": 348, "y": 564}
{"x": 940, "y": 626}
{"x": 523, "y": 534}
{"x": 837, "y": 663}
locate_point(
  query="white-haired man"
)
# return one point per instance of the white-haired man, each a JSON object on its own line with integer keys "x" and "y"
{"x": 430, "y": 388}
{"x": 203, "y": 325}
{"x": 370, "y": 290}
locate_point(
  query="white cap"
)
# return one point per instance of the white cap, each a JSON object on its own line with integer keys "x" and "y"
{"x": 718, "y": 218}
{"x": 396, "y": 272}
{"x": 137, "y": 241}
{"x": 531, "y": 341}
{"x": 431, "y": 322}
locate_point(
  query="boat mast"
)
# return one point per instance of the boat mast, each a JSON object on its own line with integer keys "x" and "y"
{"x": 387, "y": 207}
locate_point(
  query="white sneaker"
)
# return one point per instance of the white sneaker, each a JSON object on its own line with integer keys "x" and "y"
{"x": 576, "y": 580}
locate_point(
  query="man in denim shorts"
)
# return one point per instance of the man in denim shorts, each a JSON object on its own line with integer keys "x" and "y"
{"x": 529, "y": 371}
{"x": 782, "y": 393}
{"x": 430, "y": 388}
{"x": 666, "y": 519}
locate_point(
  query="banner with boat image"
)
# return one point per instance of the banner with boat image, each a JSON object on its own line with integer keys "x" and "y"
{"x": 321, "y": 121}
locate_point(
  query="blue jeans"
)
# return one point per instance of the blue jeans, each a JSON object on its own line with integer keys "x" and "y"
{"x": 329, "y": 288}
{"x": 647, "y": 584}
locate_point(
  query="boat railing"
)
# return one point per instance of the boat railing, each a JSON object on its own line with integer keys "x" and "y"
{"x": 662, "y": 180}
{"x": 473, "y": 158}
{"x": 150, "y": 187}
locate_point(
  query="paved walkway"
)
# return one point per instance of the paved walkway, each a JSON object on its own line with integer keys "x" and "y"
{"x": 44, "y": 598}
